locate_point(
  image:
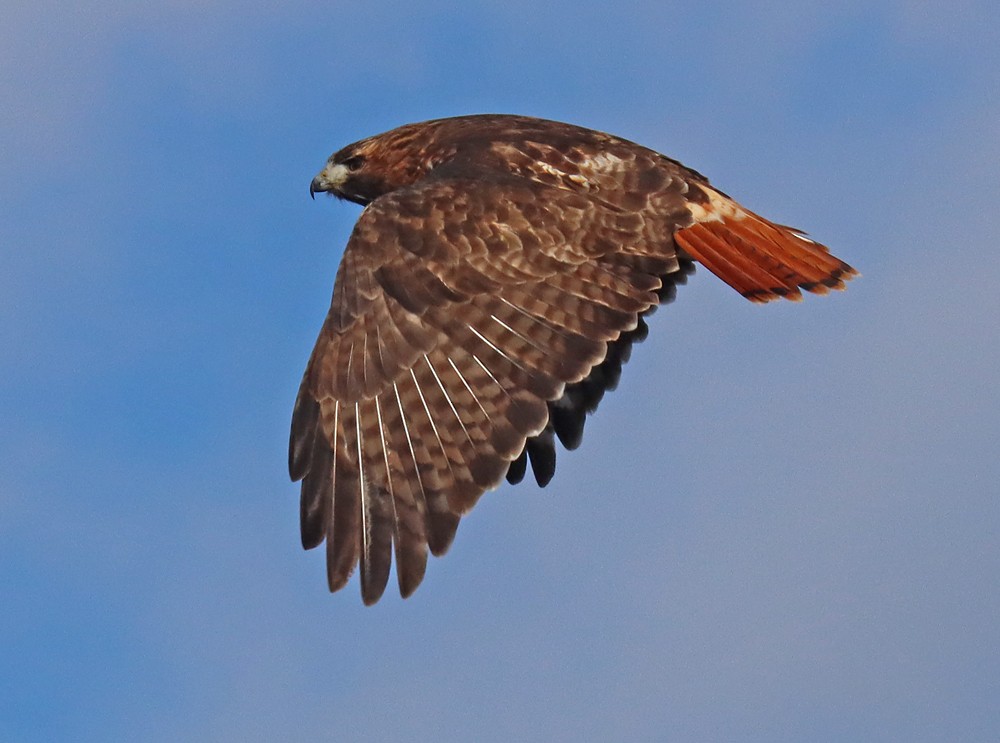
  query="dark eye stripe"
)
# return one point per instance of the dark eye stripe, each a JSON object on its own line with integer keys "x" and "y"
{"x": 353, "y": 163}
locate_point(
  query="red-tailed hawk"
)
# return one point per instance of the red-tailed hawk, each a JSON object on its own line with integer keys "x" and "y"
{"x": 487, "y": 298}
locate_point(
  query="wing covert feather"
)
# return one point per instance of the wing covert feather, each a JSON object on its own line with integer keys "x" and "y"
{"x": 462, "y": 309}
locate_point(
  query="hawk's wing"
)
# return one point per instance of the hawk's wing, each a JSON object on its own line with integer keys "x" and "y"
{"x": 462, "y": 306}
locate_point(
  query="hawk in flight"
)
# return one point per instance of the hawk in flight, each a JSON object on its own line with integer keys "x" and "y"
{"x": 488, "y": 296}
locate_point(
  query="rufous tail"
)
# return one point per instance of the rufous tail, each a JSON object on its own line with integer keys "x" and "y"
{"x": 758, "y": 258}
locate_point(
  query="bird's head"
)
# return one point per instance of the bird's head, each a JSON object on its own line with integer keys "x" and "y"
{"x": 351, "y": 174}
{"x": 365, "y": 170}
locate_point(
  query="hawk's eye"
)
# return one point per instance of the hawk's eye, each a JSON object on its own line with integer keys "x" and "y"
{"x": 353, "y": 163}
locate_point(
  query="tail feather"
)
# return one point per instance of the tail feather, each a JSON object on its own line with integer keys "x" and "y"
{"x": 757, "y": 277}
{"x": 761, "y": 260}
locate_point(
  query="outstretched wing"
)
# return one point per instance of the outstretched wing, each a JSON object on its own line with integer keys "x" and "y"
{"x": 465, "y": 306}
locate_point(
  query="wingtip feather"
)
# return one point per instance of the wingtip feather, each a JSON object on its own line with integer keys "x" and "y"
{"x": 302, "y": 436}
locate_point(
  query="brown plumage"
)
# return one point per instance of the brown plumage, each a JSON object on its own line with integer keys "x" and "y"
{"x": 488, "y": 297}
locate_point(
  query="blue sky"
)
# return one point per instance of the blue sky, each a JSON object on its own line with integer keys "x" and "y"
{"x": 784, "y": 525}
